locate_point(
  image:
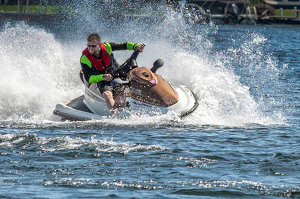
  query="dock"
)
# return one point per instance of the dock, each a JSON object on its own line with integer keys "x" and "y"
{"x": 39, "y": 17}
{"x": 278, "y": 20}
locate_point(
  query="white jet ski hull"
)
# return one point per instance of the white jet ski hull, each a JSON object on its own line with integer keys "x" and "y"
{"x": 91, "y": 106}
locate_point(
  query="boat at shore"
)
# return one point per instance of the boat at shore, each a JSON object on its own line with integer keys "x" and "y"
{"x": 284, "y": 4}
{"x": 221, "y": 11}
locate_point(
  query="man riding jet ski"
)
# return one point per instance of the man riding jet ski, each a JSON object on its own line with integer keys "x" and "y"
{"x": 129, "y": 87}
{"x": 97, "y": 61}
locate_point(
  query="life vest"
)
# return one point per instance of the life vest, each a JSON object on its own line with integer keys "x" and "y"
{"x": 96, "y": 62}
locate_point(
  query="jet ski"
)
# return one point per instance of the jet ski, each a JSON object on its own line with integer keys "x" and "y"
{"x": 135, "y": 89}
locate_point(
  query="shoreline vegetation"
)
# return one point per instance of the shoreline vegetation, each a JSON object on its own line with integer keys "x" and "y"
{"x": 64, "y": 9}
{"x": 34, "y": 9}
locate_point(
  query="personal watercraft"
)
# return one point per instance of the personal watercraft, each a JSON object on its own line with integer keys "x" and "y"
{"x": 135, "y": 89}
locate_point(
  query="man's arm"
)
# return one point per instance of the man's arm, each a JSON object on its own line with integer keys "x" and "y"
{"x": 90, "y": 74}
{"x": 110, "y": 46}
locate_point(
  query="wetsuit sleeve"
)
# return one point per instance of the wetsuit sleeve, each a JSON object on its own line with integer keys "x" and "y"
{"x": 131, "y": 46}
{"x": 110, "y": 46}
{"x": 90, "y": 73}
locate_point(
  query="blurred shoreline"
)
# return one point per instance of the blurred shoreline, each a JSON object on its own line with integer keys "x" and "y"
{"x": 54, "y": 17}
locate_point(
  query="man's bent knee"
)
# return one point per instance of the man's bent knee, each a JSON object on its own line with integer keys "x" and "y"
{"x": 107, "y": 94}
{"x": 108, "y": 97}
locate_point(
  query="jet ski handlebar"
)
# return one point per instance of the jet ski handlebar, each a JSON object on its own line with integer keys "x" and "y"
{"x": 127, "y": 66}
{"x": 118, "y": 81}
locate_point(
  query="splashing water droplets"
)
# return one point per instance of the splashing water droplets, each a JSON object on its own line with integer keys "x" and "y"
{"x": 44, "y": 70}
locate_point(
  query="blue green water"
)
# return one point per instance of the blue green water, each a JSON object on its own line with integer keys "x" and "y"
{"x": 242, "y": 141}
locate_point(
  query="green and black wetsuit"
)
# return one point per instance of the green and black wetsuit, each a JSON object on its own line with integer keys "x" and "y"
{"x": 93, "y": 67}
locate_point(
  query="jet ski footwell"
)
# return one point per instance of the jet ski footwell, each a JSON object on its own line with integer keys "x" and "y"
{"x": 75, "y": 110}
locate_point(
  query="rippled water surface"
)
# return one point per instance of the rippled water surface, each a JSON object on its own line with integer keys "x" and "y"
{"x": 242, "y": 141}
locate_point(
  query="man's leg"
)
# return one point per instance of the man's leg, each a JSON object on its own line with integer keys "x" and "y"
{"x": 109, "y": 99}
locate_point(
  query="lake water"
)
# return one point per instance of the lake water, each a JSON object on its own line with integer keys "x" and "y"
{"x": 241, "y": 142}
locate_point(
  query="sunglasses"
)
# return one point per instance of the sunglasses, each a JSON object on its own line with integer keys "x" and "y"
{"x": 92, "y": 46}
